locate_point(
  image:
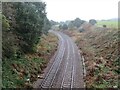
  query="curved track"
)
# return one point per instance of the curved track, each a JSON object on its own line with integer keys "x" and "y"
{"x": 66, "y": 69}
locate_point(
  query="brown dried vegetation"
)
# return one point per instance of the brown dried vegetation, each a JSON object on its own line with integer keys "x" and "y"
{"x": 100, "y": 50}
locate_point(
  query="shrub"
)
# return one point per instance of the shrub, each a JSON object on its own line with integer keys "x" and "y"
{"x": 92, "y": 21}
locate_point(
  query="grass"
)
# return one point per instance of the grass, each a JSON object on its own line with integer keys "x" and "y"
{"x": 110, "y": 24}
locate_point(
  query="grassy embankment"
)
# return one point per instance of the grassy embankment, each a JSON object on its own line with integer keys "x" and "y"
{"x": 23, "y": 71}
{"x": 100, "y": 49}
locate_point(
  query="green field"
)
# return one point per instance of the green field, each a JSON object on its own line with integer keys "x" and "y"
{"x": 109, "y": 24}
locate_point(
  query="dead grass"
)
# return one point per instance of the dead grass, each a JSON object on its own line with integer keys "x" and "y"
{"x": 46, "y": 48}
{"x": 100, "y": 49}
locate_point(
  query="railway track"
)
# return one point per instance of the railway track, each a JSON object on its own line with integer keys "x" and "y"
{"x": 66, "y": 69}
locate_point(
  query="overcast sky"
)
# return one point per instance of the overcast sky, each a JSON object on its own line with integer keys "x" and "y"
{"x": 61, "y": 10}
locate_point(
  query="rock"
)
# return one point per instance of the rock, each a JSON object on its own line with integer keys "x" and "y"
{"x": 40, "y": 77}
{"x": 114, "y": 86}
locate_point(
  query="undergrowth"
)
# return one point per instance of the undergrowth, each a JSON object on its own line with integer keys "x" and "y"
{"x": 22, "y": 71}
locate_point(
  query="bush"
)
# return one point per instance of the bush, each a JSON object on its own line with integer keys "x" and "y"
{"x": 81, "y": 30}
{"x": 104, "y": 26}
{"x": 92, "y": 21}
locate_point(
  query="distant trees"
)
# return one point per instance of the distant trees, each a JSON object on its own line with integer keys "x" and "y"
{"x": 64, "y": 26}
{"x": 92, "y": 21}
{"x": 53, "y": 22}
{"x": 71, "y": 25}
{"x": 76, "y": 23}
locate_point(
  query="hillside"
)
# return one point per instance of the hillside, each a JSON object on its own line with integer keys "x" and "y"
{"x": 27, "y": 46}
{"x": 100, "y": 50}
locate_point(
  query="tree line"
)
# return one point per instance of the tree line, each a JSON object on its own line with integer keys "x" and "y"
{"x": 76, "y": 23}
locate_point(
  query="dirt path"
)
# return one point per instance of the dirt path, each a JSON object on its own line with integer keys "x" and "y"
{"x": 65, "y": 68}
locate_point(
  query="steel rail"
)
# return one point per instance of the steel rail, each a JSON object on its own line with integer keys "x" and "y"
{"x": 47, "y": 83}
